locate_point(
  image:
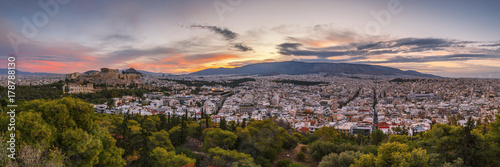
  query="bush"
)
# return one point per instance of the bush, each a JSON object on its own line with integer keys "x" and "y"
{"x": 319, "y": 149}
{"x": 296, "y": 164}
{"x": 300, "y": 156}
{"x": 345, "y": 159}
{"x": 271, "y": 154}
{"x": 304, "y": 140}
{"x": 371, "y": 149}
{"x": 283, "y": 163}
{"x": 303, "y": 148}
{"x": 263, "y": 162}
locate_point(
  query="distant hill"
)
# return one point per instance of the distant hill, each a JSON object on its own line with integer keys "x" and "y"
{"x": 4, "y": 71}
{"x": 299, "y": 68}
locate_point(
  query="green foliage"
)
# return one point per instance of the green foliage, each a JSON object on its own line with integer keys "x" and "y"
{"x": 26, "y": 93}
{"x": 103, "y": 96}
{"x": 160, "y": 139}
{"x": 300, "y": 156}
{"x": 245, "y": 163}
{"x": 442, "y": 139}
{"x": 175, "y": 136}
{"x": 290, "y": 141}
{"x": 296, "y": 164}
{"x": 371, "y": 149}
{"x": 377, "y": 137}
{"x": 327, "y": 134}
{"x": 303, "y": 148}
{"x": 394, "y": 154}
{"x": 37, "y": 155}
{"x": 283, "y": 163}
{"x": 456, "y": 163}
{"x": 366, "y": 160}
{"x": 263, "y": 136}
{"x": 189, "y": 154}
{"x": 161, "y": 157}
{"x": 319, "y": 149}
{"x": 219, "y": 138}
{"x": 389, "y": 153}
{"x": 263, "y": 162}
{"x": 222, "y": 157}
{"x": 345, "y": 159}
{"x": 68, "y": 123}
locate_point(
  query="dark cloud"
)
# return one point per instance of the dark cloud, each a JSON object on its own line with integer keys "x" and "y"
{"x": 242, "y": 47}
{"x": 226, "y": 33}
{"x": 119, "y": 37}
{"x": 419, "y": 44}
{"x": 454, "y": 57}
{"x": 295, "y": 50}
{"x": 490, "y": 45}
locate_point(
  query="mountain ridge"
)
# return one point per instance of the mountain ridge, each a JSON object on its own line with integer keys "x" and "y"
{"x": 299, "y": 68}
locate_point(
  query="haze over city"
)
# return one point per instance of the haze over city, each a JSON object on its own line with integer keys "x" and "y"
{"x": 439, "y": 38}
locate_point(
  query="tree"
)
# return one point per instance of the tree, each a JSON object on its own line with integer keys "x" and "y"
{"x": 219, "y": 138}
{"x": 283, "y": 163}
{"x": 244, "y": 123}
{"x": 223, "y": 124}
{"x": 319, "y": 149}
{"x": 394, "y": 154}
{"x": 493, "y": 142}
{"x": 245, "y": 163}
{"x": 222, "y": 157}
{"x": 388, "y": 153}
{"x": 300, "y": 156}
{"x": 290, "y": 142}
{"x": 145, "y": 158}
{"x": 345, "y": 159}
{"x": 469, "y": 146}
{"x": 303, "y": 148}
{"x": 366, "y": 160}
{"x": 149, "y": 124}
{"x": 377, "y": 137}
{"x": 160, "y": 139}
{"x": 262, "y": 135}
{"x": 69, "y": 124}
{"x": 162, "y": 157}
{"x": 442, "y": 139}
{"x": 175, "y": 136}
{"x": 327, "y": 134}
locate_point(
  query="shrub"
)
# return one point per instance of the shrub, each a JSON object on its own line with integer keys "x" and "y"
{"x": 300, "y": 156}
{"x": 283, "y": 163}
{"x": 303, "y": 148}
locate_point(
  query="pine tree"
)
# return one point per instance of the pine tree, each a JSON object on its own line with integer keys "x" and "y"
{"x": 145, "y": 150}
{"x": 184, "y": 130}
{"x": 244, "y": 123}
{"x": 222, "y": 123}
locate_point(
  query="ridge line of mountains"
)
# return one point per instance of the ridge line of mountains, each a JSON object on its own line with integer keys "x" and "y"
{"x": 300, "y": 68}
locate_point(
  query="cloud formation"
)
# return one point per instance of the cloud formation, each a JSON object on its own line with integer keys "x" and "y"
{"x": 228, "y": 35}
{"x": 403, "y": 50}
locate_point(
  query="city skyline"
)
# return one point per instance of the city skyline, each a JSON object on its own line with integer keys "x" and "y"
{"x": 458, "y": 39}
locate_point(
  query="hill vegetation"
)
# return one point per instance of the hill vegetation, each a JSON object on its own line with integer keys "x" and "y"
{"x": 68, "y": 132}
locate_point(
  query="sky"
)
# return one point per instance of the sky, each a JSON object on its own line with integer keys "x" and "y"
{"x": 457, "y": 38}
